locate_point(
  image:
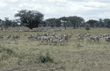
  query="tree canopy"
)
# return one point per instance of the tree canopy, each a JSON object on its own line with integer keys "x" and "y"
{"x": 30, "y": 18}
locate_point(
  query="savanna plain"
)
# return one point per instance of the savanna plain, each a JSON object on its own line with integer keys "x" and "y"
{"x": 27, "y": 54}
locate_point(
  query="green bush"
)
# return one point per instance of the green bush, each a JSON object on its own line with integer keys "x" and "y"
{"x": 108, "y": 40}
{"x": 46, "y": 58}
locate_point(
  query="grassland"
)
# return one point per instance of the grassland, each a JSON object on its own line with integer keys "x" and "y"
{"x": 24, "y": 54}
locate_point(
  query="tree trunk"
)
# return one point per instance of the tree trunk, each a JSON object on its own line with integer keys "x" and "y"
{"x": 77, "y": 26}
{"x": 73, "y": 26}
{"x": 1, "y": 28}
{"x": 65, "y": 27}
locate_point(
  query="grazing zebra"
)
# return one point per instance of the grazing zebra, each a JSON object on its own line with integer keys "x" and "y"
{"x": 39, "y": 38}
{"x": 69, "y": 36}
{"x": 30, "y": 37}
{"x": 105, "y": 35}
{"x": 9, "y": 37}
{"x": 45, "y": 34}
{"x": 20, "y": 30}
{"x": 100, "y": 36}
{"x": 1, "y": 37}
{"x": 59, "y": 38}
{"x": 82, "y": 38}
{"x": 62, "y": 40}
{"x": 16, "y": 37}
{"x": 88, "y": 35}
{"x": 45, "y": 38}
{"x": 58, "y": 30}
{"x": 106, "y": 38}
{"x": 80, "y": 35}
{"x": 3, "y": 30}
{"x": 92, "y": 38}
{"x": 51, "y": 40}
{"x": 66, "y": 37}
{"x": 56, "y": 37}
{"x": 15, "y": 30}
{"x": 55, "y": 41}
{"x": 97, "y": 38}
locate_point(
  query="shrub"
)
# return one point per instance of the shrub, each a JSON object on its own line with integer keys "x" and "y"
{"x": 87, "y": 27}
{"x": 46, "y": 58}
{"x": 108, "y": 40}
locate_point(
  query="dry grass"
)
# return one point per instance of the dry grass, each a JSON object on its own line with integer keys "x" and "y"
{"x": 23, "y": 54}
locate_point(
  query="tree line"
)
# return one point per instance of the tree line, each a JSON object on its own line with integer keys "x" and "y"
{"x": 33, "y": 19}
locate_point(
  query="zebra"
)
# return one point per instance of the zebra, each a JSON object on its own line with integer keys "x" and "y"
{"x": 105, "y": 35}
{"x": 106, "y": 38}
{"x": 1, "y": 37}
{"x": 16, "y": 37}
{"x": 30, "y": 37}
{"x": 98, "y": 37}
{"x": 55, "y": 41}
{"x": 9, "y": 37}
{"x": 82, "y": 38}
{"x": 92, "y": 38}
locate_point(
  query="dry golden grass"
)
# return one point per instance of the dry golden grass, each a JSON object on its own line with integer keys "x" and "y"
{"x": 23, "y": 54}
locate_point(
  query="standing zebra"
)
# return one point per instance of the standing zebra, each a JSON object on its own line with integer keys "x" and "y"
{"x": 92, "y": 38}
{"x": 82, "y": 38}
{"x": 9, "y": 37}
{"x": 16, "y": 37}
{"x": 1, "y": 37}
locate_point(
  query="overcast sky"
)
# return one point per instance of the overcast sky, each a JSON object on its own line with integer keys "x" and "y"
{"x": 88, "y": 9}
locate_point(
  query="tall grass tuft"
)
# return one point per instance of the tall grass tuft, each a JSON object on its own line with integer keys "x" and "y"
{"x": 6, "y": 53}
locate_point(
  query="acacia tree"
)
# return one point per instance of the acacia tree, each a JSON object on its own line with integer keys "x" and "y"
{"x": 30, "y": 18}
{"x": 7, "y": 23}
{"x": 43, "y": 23}
{"x": 58, "y": 23}
{"x": 1, "y": 24}
{"x": 76, "y": 21}
{"x": 91, "y": 22}
{"x": 14, "y": 23}
{"x": 51, "y": 21}
{"x": 64, "y": 19}
{"x": 101, "y": 24}
{"x": 108, "y": 24}
{"x": 106, "y": 20}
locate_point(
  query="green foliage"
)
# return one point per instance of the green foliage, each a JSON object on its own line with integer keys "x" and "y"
{"x": 108, "y": 40}
{"x": 46, "y": 58}
{"x": 108, "y": 24}
{"x": 30, "y": 18}
{"x": 58, "y": 23}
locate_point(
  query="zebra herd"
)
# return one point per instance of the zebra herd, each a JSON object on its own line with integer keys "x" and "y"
{"x": 52, "y": 37}
{"x": 8, "y": 37}
{"x": 96, "y": 38}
